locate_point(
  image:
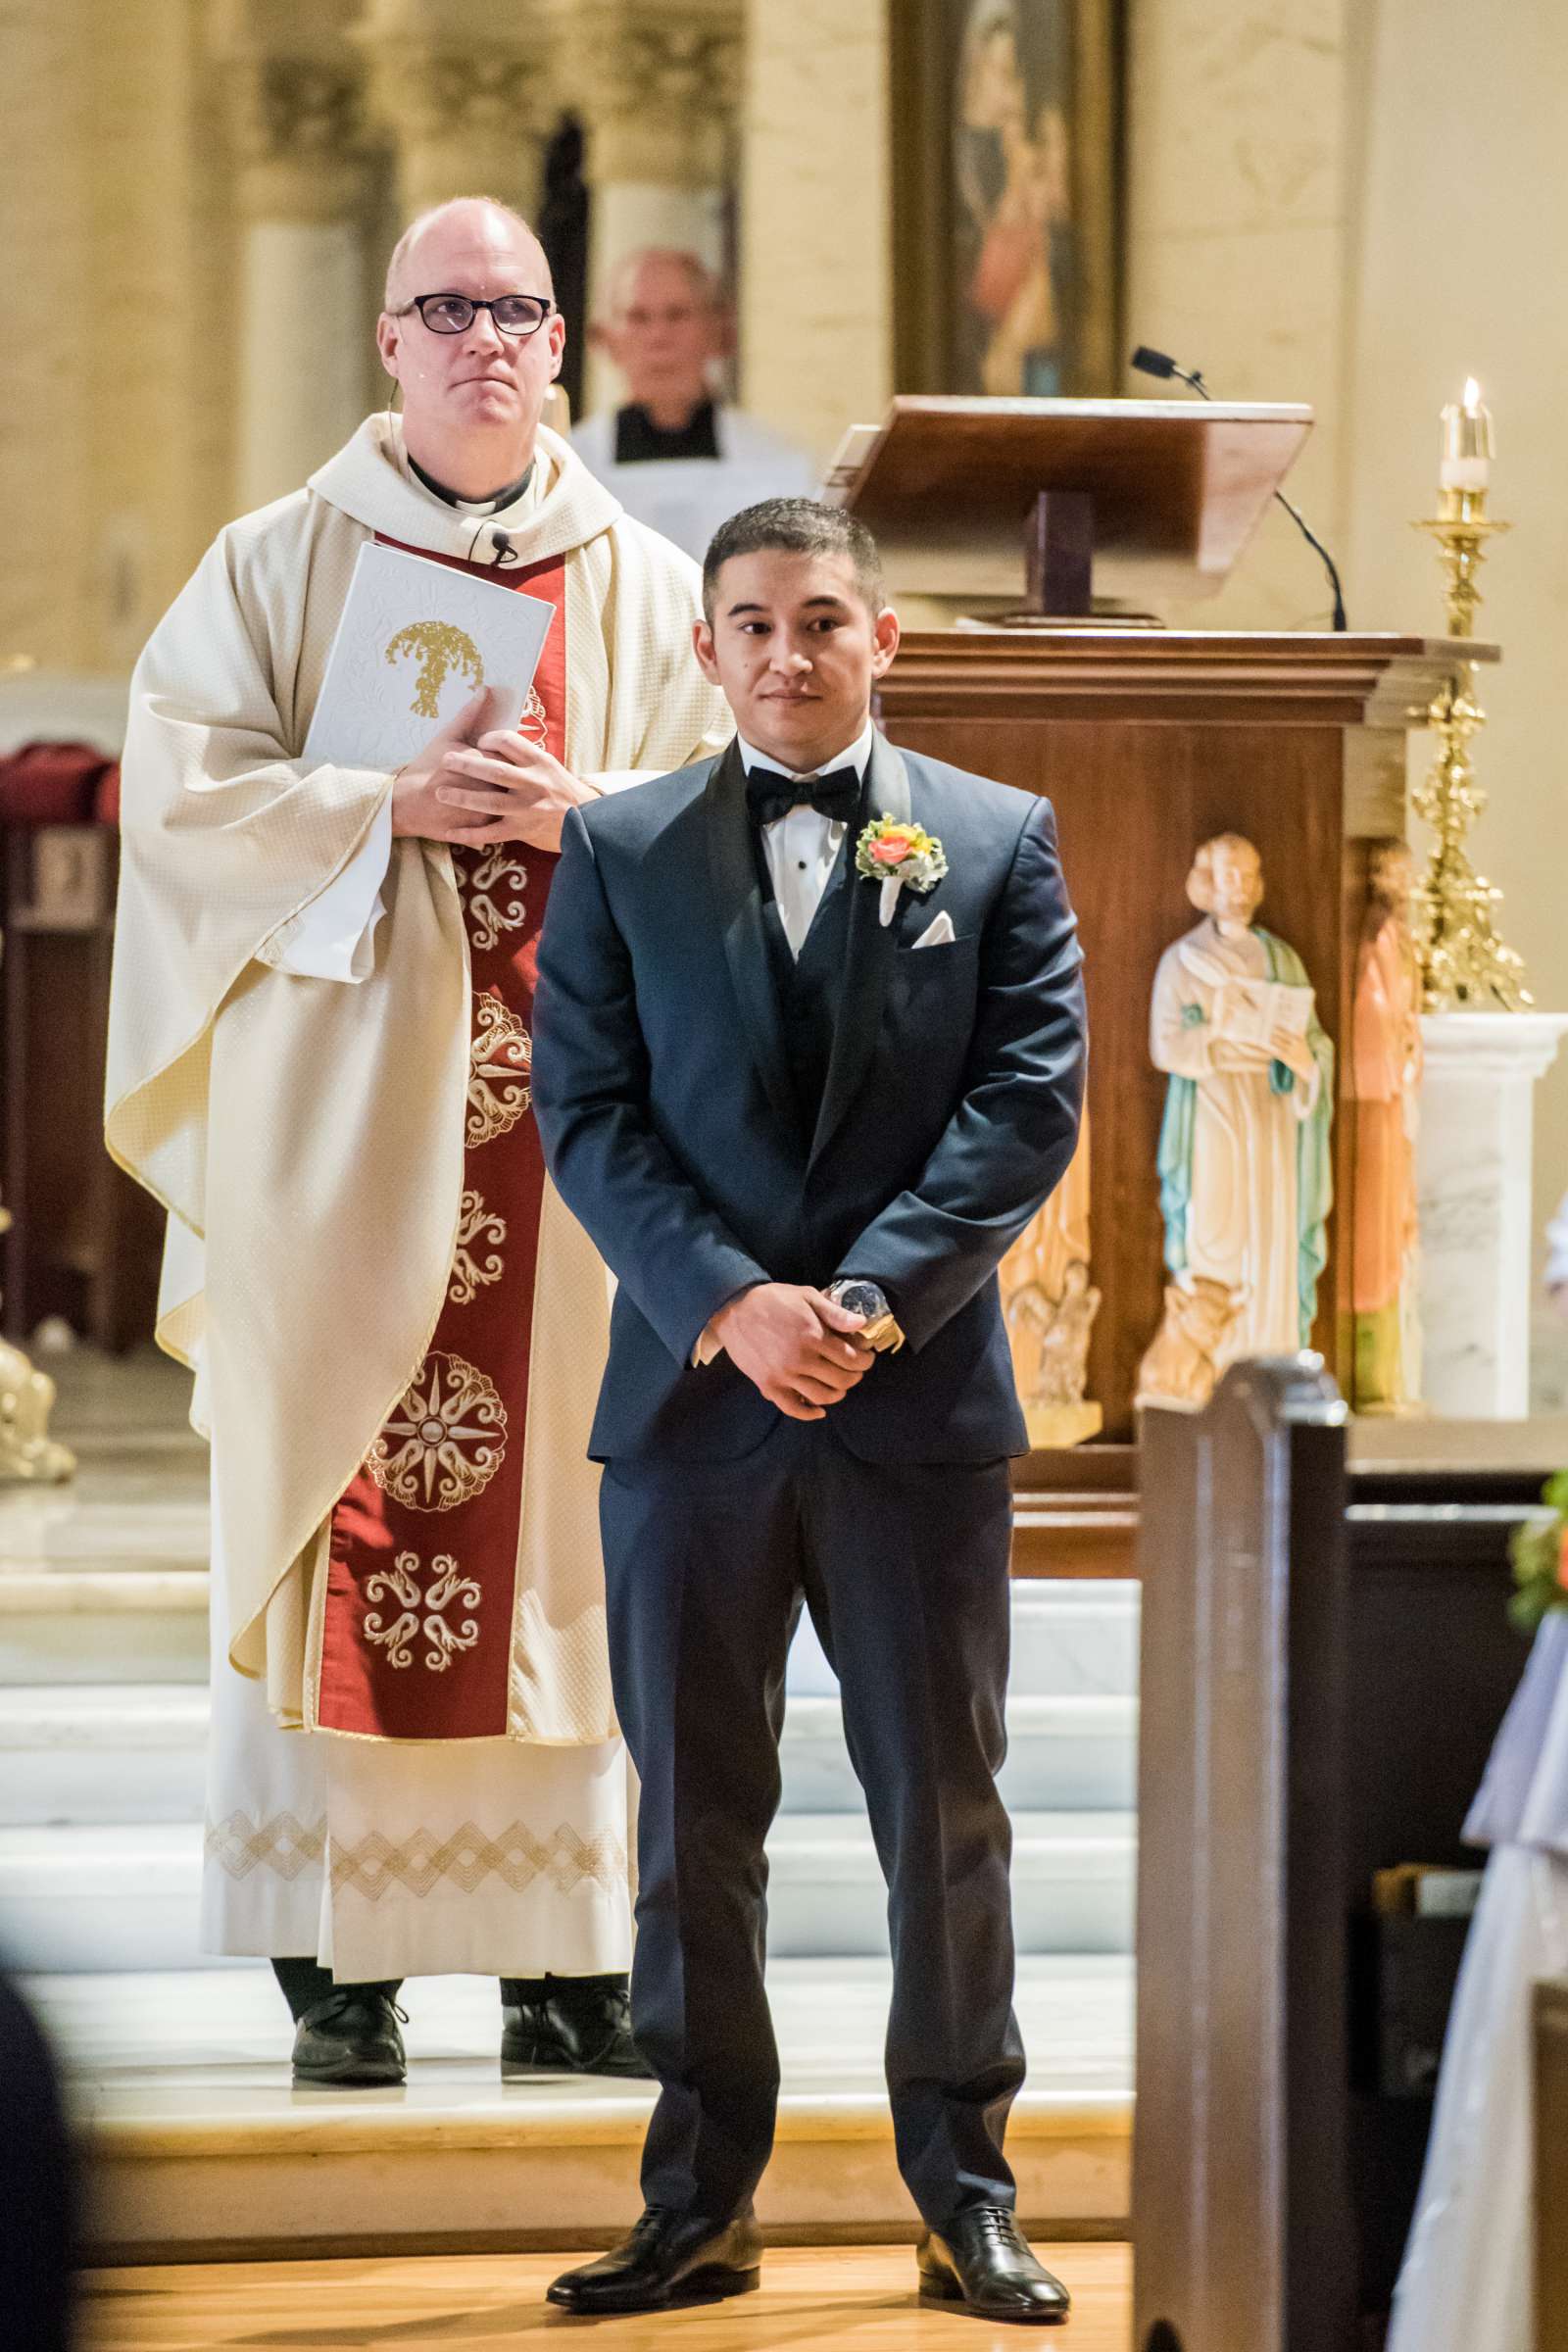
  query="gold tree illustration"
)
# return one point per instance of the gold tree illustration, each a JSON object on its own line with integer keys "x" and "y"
{"x": 439, "y": 648}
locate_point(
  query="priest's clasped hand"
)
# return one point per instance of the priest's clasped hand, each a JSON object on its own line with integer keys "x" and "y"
{"x": 794, "y": 1344}
{"x": 499, "y": 788}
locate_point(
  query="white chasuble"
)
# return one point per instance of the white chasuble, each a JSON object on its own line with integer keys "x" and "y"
{"x": 307, "y": 1137}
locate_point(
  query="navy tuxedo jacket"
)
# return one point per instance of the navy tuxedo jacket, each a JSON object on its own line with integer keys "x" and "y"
{"x": 664, "y": 1096}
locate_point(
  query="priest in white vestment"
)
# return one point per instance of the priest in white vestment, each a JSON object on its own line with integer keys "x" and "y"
{"x": 676, "y": 456}
{"x": 320, "y": 1058}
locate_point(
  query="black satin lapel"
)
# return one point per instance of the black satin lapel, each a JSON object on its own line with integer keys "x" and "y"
{"x": 868, "y": 962}
{"x": 732, "y": 870}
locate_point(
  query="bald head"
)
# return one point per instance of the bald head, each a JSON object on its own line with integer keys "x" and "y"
{"x": 646, "y": 273}
{"x": 471, "y": 400}
{"x": 664, "y": 323}
{"x": 465, "y": 227}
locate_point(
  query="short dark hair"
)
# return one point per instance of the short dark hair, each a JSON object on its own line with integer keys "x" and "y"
{"x": 799, "y": 526}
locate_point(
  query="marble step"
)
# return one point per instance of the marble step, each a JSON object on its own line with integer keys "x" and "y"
{"x": 200, "y": 2146}
{"x": 120, "y": 1752}
{"x": 1069, "y": 1754}
{"x": 122, "y": 1624}
{"x": 126, "y": 1896}
{"x": 105, "y": 1579}
{"x": 1072, "y": 1637}
{"x": 105, "y": 1600}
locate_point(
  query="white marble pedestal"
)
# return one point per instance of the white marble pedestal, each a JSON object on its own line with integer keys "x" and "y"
{"x": 1473, "y": 1176}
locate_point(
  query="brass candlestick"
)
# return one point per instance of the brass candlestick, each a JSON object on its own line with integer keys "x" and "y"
{"x": 1464, "y": 965}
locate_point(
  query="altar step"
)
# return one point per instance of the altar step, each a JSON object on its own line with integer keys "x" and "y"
{"x": 112, "y": 1593}
{"x": 75, "y": 1755}
{"x": 127, "y": 1897}
{"x": 200, "y": 2147}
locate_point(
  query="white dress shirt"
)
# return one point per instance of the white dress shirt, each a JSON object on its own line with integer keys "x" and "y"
{"x": 803, "y": 847}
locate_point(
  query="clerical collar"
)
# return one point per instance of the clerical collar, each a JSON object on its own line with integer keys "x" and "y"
{"x": 639, "y": 440}
{"x": 472, "y": 506}
{"x": 856, "y": 755}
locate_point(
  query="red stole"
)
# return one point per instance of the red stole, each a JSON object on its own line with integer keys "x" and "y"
{"x": 422, "y": 1579}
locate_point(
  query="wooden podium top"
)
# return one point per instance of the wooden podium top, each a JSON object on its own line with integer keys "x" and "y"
{"x": 1305, "y": 678}
{"x": 1178, "y": 487}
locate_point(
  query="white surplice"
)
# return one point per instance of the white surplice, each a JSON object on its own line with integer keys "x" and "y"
{"x": 1466, "y": 2283}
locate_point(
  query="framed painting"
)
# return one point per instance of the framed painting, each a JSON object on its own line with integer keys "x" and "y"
{"x": 1007, "y": 123}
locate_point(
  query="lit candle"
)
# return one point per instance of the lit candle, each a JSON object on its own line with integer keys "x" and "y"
{"x": 1466, "y": 441}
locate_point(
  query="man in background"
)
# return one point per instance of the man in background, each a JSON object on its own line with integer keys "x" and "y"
{"x": 675, "y": 455}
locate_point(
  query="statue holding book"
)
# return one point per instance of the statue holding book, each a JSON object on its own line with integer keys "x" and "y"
{"x": 1245, "y": 1176}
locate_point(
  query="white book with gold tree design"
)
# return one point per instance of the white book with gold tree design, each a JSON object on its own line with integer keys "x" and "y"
{"x": 416, "y": 640}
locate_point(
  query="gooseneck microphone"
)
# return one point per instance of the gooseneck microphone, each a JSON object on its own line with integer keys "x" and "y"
{"x": 1160, "y": 364}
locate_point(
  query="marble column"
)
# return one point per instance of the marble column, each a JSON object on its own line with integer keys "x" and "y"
{"x": 817, "y": 265}
{"x": 656, "y": 84}
{"x": 304, "y": 368}
{"x": 47, "y": 357}
{"x": 1477, "y": 1224}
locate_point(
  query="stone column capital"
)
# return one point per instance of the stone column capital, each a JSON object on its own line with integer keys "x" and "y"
{"x": 658, "y": 84}
{"x": 300, "y": 136}
{"x": 466, "y": 93}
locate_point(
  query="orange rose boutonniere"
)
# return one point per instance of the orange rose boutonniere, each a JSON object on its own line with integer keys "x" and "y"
{"x": 898, "y": 856}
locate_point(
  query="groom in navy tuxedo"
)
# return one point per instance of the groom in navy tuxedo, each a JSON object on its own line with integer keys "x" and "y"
{"x": 805, "y": 1076}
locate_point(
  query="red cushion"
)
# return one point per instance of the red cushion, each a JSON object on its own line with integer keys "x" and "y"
{"x": 106, "y": 799}
{"x": 51, "y": 784}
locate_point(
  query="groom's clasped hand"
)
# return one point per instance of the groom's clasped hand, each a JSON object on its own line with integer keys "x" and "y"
{"x": 796, "y": 1344}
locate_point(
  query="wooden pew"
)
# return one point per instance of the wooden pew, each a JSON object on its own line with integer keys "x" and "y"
{"x": 1326, "y": 1657}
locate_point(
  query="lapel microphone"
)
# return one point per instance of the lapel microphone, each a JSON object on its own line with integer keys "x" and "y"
{"x": 1160, "y": 364}
{"x": 505, "y": 552}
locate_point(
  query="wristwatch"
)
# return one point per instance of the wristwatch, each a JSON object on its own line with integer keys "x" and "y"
{"x": 880, "y": 1330}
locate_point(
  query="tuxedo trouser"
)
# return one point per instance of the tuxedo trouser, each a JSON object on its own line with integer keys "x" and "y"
{"x": 905, "y": 1569}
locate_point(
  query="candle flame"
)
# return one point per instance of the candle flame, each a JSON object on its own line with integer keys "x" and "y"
{"x": 1472, "y": 394}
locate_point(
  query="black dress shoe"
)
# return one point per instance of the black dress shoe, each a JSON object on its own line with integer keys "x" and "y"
{"x": 579, "y": 2026}
{"x": 351, "y": 2036}
{"x": 982, "y": 2260}
{"x": 670, "y": 2257}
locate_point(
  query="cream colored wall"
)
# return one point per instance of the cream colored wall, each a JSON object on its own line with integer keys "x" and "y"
{"x": 116, "y": 386}
{"x": 815, "y": 269}
{"x": 1236, "y": 200}
{"x": 44, "y": 392}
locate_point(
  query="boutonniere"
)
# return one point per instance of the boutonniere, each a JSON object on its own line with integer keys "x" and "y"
{"x": 898, "y": 856}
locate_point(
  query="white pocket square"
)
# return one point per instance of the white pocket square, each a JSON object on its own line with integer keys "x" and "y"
{"x": 938, "y": 933}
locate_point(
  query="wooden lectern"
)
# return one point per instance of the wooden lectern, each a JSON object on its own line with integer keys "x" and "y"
{"x": 1149, "y": 741}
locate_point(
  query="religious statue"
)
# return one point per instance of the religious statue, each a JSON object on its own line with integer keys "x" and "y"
{"x": 1383, "y": 1080}
{"x": 1050, "y": 1305}
{"x": 1244, "y": 1175}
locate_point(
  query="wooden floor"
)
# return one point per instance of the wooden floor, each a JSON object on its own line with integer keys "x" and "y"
{"x": 812, "y": 2298}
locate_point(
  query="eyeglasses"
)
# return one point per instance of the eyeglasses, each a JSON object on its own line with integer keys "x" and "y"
{"x": 455, "y": 314}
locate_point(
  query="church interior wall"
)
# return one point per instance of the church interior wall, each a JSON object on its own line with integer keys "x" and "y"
{"x": 1351, "y": 205}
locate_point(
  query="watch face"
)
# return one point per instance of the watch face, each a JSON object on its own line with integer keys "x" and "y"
{"x": 862, "y": 1298}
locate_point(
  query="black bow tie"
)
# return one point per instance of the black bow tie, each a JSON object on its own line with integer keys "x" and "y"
{"x": 770, "y": 796}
